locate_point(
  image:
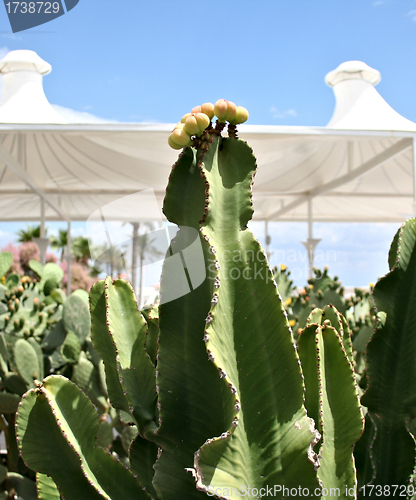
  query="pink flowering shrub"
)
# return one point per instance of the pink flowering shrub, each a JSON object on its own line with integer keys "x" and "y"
{"x": 80, "y": 277}
{"x": 51, "y": 257}
{"x": 28, "y": 251}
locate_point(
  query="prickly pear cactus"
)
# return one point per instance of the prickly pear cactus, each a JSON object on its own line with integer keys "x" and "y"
{"x": 41, "y": 331}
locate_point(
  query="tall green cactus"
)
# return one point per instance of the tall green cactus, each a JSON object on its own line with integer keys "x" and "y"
{"x": 332, "y": 397}
{"x": 218, "y": 399}
{"x": 391, "y": 373}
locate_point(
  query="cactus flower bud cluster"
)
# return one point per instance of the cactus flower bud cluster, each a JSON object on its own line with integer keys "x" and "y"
{"x": 193, "y": 124}
{"x": 227, "y": 111}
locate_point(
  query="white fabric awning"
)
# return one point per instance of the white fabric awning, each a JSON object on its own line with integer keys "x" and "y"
{"x": 350, "y": 174}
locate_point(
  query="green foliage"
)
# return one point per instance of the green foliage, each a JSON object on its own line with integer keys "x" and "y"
{"x": 41, "y": 333}
{"x": 212, "y": 384}
{"x": 29, "y": 233}
{"x": 210, "y": 391}
{"x": 391, "y": 366}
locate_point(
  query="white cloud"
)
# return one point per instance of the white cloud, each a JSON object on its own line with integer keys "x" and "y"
{"x": 74, "y": 116}
{"x": 289, "y": 113}
{"x": 11, "y": 36}
{"x": 412, "y": 15}
{"x": 4, "y": 51}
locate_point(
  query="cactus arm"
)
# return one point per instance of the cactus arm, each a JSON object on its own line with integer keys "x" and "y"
{"x": 325, "y": 361}
{"x": 315, "y": 317}
{"x": 76, "y": 317}
{"x": 192, "y": 399}
{"x": 87, "y": 378}
{"x": 342, "y": 420}
{"x": 47, "y": 489}
{"x": 105, "y": 347}
{"x": 71, "y": 348}
{"x": 152, "y": 319}
{"x": 137, "y": 373}
{"x": 363, "y": 461}
{"x": 6, "y": 260}
{"x": 308, "y": 355}
{"x": 340, "y": 324}
{"x": 142, "y": 455}
{"x": 51, "y": 277}
{"x": 26, "y": 361}
{"x": 391, "y": 364}
{"x": 232, "y": 455}
{"x": 59, "y": 419}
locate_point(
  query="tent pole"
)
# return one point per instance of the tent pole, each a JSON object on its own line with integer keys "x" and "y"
{"x": 136, "y": 226}
{"x": 68, "y": 259}
{"x": 42, "y": 232}
{"x": 42, "y": 218}
{"x": 311, "y": 242}
{"x": 310, "y": 237}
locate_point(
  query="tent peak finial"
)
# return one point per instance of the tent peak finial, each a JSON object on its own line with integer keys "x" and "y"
{"x": 358, "y": 104}
{"x": 24, "y": 60}
{"x": 353, "y": 70}
{"x": 22, "y": 97}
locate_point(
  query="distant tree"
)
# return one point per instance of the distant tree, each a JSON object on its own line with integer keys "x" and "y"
{"x": 81, "y": 250}
{"x": 143, "y": 246}
{"x": 29, "y": 233}
{"x": 60, "y": 242}
{"x": 113, "y": 259}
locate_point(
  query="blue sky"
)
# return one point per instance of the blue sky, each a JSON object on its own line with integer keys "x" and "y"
{"x": 132, "y": 60}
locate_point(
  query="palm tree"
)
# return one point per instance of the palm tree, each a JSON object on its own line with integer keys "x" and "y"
{"x": 113, "y": 258}
{"x": 29, "y": 233}
{"x": 81, "y": 250}
{"x": 142, "y": 247}
{"x": 60, "y": 242}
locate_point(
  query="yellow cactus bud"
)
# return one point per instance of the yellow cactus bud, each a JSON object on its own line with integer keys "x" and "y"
{"x": 208, "y": 109}
{"x": 191, "y": 125}
{"x": 240, "y": 116}
{"x": 283, "y": 267}
{"x": 231, "y": 111}
{"x": 173, "y": 144}
{"x": 3, "y": 280}
{"x": 184, "y": 117}
{"x": 203, "y": 120}
{"x": 292, "y": 322}
{"x": 181, "y": 137}
{"x": 220, "y": 109}
{"x": 196, "y": 123}
{"x": 288, "y": 301}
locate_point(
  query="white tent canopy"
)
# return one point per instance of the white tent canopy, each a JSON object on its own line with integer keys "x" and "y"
{"x": 358, "y": 168}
